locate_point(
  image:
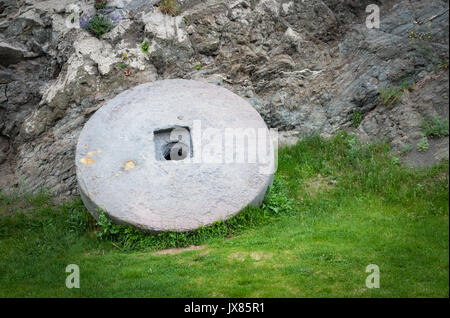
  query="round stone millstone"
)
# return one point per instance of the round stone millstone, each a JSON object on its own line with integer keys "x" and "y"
{"x": 174, "y": 155}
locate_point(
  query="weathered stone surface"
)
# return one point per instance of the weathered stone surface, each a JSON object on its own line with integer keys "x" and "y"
{"x": 4, "y": 145}
{"x": 401, "y": 125}
{"x": 11, "y": 54}
{"x": 122, "y": 169}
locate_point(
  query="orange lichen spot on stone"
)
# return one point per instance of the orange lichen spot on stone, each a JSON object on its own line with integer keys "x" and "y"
{"x": 129, "y": 165}
{"x": 86, "y": 161}
{"x": 93, "y": 152}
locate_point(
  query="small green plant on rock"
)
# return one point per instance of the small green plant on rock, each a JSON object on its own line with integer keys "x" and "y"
{"x": 169, "y": 7}
{"x": 423, "y": 144}
{"x": 145, "y": 46}
{"x": 438, "y": 127}
{"x": 422, "y": 41}
{"x": 406, "y": 149}
{"x": 443, "y": 64}
{"x": 390, "y": 96}
{"x": 100, "y": 4}
{"x": 121, "y": 65}
{"x": 98, "y": 24}
{"x": 357, "y": 118}
{"x": 407, "y": 85}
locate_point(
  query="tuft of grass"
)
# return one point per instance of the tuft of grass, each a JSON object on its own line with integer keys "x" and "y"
{"x": 437, "y": 127}
{"x": 395, "y": 160}
{"x": 357, "y": 117}
{"x": 390, "y": 96}
{"x": 407, "y": 85}
{"x": 98, "y": 24}
{"x": 169, "y": 7}
{"x": 443, "y": 63}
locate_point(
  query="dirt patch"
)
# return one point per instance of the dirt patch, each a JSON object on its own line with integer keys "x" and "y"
{"x": 173, "y": 251}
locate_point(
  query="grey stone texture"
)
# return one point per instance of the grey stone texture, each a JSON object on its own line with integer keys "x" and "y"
{"x": 119, "y": 169}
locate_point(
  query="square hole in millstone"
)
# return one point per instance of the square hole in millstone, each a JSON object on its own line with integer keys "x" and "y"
{"x": 173, "y": 143}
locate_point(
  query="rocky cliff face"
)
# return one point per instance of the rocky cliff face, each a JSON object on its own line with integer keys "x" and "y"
{"x": 306, "y": 66}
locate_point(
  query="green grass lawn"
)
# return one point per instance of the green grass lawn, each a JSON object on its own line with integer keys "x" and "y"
{"x": 336, "y": 206}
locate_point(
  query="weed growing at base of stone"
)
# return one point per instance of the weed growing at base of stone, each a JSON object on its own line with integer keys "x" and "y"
{"x": 276, "y": 204}
{"x": 277, "y": 201}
